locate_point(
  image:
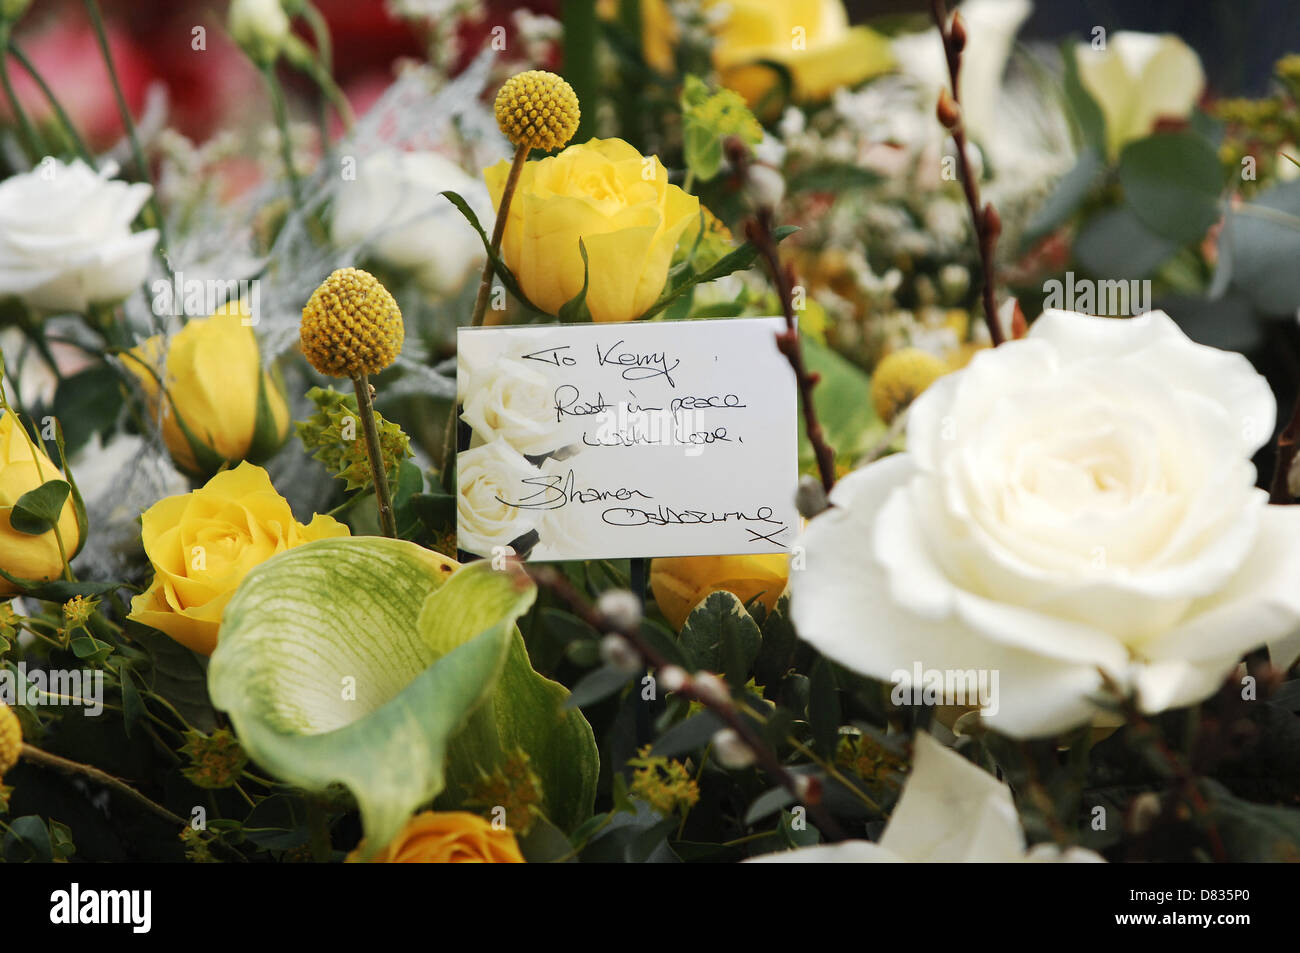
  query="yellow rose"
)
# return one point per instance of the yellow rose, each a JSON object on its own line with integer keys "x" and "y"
{"x": 216, "y": 388}
{"x": 810, "y": 38}
{"x": 681, "y": 583}
{"x": 23, "y": 467}
{"x": 449, "y": 837}
{"x": 622, "y": 207}
{"x": 202, "y": 545}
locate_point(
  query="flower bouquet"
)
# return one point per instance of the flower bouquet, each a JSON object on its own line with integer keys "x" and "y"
{"x": 293, "y": 428}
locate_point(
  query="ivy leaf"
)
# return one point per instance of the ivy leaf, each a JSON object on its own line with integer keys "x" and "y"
{"x": 37, "y": 511}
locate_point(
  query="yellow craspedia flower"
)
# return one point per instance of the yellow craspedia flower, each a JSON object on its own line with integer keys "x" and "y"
{"x": 621, "y": 206}
{"x": 448, "y": 837}
{"x": 11, "y": 738}
{"x": 900, "y": 378}
{"x": 351, "y": 325}
{"x": 680, "y": 583}
{"x": 537, "y": 109}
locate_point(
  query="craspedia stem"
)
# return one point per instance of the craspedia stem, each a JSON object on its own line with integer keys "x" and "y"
{"x": 498, "y": 231}
{"x": 366, "y": 410}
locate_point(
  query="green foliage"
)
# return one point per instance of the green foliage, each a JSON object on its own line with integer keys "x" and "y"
{"x": 334, "y": 434}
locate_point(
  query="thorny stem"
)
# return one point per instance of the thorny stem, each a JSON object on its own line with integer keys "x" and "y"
{"x": 726, "y": 710}
{"x": 985, "y": 217}
{"x": 366, "y": 411}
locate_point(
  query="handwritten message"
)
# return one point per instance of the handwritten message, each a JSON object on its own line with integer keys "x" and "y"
{"x": 598, "y": 441}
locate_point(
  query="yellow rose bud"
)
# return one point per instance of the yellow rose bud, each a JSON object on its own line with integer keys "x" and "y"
{"x": 810, "y": 38}
{"x": 221, "y": 406}
{"x": 900, "y": 378}
{"x": 11, "y": 739}
{"x": 448, "y": 837}
{"x": 23, "y": 467}
{"x": 681, "y": 583}
{"x": 202, "y": 545}
{"x": 618, "y": 202}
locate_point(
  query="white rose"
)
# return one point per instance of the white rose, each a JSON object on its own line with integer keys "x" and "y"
{"x": 950, "y": 811}
{"x": 486, "y": 477}
{"x": 66, "y": 239}
{"x": 1082, "y": 499}
{"x": 511, "y": 401}
{"x": 260, "y": 27}
{"x": 1139, "y": 78}
{"x": 395, "y": 208}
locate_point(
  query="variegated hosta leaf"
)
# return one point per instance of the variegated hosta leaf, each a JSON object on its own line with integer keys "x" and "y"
{"x": 357, "y": 660}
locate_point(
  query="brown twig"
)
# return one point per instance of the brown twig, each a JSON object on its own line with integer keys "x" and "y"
{"x": 804, "y": 789}
{"x": 1288, "y": 441}
{"x": 759, "y": 232}
{"x": 988, "y": 225}
{"x": 38, "y": 756}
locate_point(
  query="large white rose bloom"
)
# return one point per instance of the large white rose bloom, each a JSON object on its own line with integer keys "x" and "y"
{"x": 1079, "y": 500}
{"x": 395, "y": 208}
{"x": 66, "y": 239}
{"x": 950, "y": 811}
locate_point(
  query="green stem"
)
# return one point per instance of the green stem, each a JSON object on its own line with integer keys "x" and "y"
{"x": 282, "y": 123}
{"x": 34, "y": 145}
{"x": 128, "y": 123}
{"x": 366, "y": 410}
{"x": 498, "y": 229}
{"x": 77, "y": 143}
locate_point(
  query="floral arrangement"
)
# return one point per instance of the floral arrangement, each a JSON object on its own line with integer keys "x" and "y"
{"x": 1039, "y": 302}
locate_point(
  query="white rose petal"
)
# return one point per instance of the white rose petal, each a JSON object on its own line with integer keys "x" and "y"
{"x": 65, "y": 236}
{"x": 395, "y": 208}
{"x": 486, "y": 477}
{"x": 1079, "y": 500}
{"x": 950, "y": 811}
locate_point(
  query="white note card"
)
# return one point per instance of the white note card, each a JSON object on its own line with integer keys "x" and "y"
{"x": 605, "y": 441}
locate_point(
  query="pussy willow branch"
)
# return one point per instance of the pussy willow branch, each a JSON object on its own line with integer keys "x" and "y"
{"x": 985, "y": 217}
{"x": 1288, "y": 442}
{"x": 759, "y": 232}
{"x": 724, "y": 710}
{"x": 41, "y": 757}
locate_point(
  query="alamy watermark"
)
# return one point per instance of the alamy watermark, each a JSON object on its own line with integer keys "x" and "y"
{"x": 198, "y": 298}
{"x": 972, "y": 687}
{"x": 1117, "y": 298}
{"x": 75, "y": 687}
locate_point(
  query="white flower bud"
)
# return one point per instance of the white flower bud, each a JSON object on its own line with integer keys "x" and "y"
{"x": 620, "y": 607}
{"x": 617, "y": 652}
{"x": 810, "y": 497}
{"x": 711, "y": 689}
{"x": 731, "y": 751}
{"x": 260, "y": 27}
{"x": 673, "y": 678}
{"x": 765, "y": 185}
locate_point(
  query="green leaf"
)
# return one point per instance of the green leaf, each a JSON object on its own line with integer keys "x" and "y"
{"x": 355, "y": 661}
{"x": 598, "y": 685}
{"x": 28, "y": 841}
{"x": 37, "y": 511}
{"x": 843, "y": 398}
{"x": 740, "y": 259}
{"x": 89, "y": 402}
{"x": 177, "y": 674}
{"x": 132, "y": 706}
{"x": 689, "y": 735}
{"x": 1262, "y": 240}
{"x": 267, "y": 436}
{"x": 779, "y": 641}
{"x": 498, "y": 264}
{"x": 1088, "y": 117}
{"x": 829, "y": 176}
{"x": 1172, "y": 182}
{"x": 575, "y": 309}
{"x": 824, "y": 707}
{"x": 722, "y": 636}
{"x": 1115, "y": 244}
